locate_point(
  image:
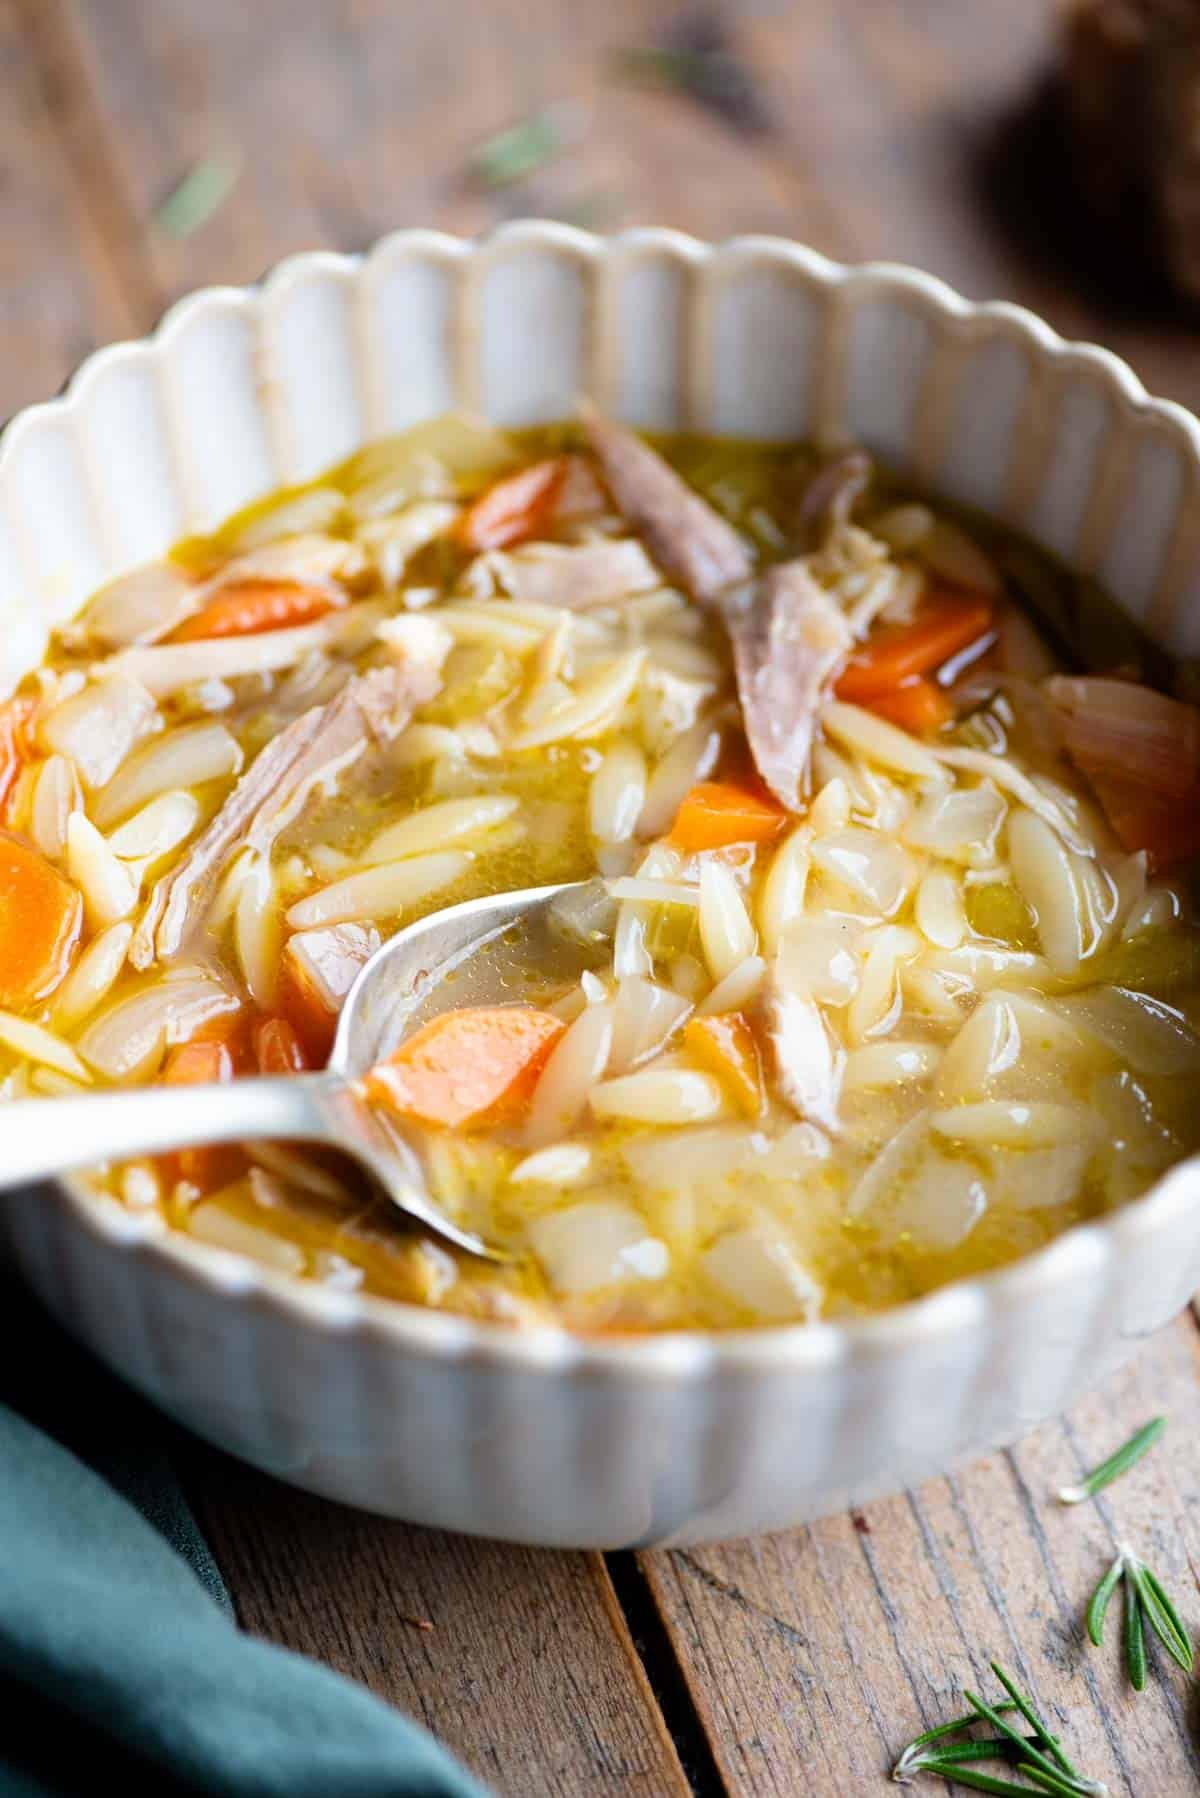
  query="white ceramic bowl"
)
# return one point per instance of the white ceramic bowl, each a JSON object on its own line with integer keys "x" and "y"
{"x": 543, "y": 1437}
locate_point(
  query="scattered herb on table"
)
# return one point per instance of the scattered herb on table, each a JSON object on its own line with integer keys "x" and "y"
{"x": 1145, "y": 1602}
{"x": 1125, "y": 1457}
{"x": 201, "y": 193}
{"x": 697, "y": 60}
{"x": 518, "y": 151}
{"x": 948, "y": 1753}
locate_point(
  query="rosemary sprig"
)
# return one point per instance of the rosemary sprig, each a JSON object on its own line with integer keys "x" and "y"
{"x": 1117, "y": 1464}
{"x": 1146, "y": 1602}
{"x": 1038, "y": 1756}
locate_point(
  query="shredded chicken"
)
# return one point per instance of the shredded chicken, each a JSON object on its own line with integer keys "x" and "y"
{"x": 593, "y": 574}
{"x": 806, "y": 1067}
{"x": 789, "y": 639}
{"x": 831, "y": 496}
{"x": 311, "y": 752}
{"x": 327, "y": 962}
{"x": 687, "y": 539}
{"x": 789, "y": 635}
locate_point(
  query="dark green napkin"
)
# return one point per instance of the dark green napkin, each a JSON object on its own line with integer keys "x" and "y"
{"x": 119, "y": 1670}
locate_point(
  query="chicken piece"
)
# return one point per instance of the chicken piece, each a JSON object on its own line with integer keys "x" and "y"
{"x": 789, "y": 636}
{"x": 593, "y": 574}
{"x": 831, "y": 496}
{"x": 789, "y": 639}
{"x": 319, "y": 968}
{"x": 311, "y": 752}
{"x": 687, "y": 539}
{"x": 806, "y": 1063}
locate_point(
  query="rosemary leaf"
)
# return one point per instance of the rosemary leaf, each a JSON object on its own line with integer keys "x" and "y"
{"x": 979, "y": 1748}
{"x": 952, "y": 1728}
{"x": 1160, "y": 1613}
{"x": 1031, "y": 1757}
{"x": 1049, "y": 1743}
{"x": 201, "y": 193}
{"x": 517, "y": 152}
{"x": 1055, "y": 1782}
{"x": 1098, "y": 1607}
{"x": 1117, "y": 1464}
{"x": 1135, "y": 1637}
{"x": 984, "y": 1782}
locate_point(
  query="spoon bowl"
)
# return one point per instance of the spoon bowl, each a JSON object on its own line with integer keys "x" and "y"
{"x": 420, "y": 971}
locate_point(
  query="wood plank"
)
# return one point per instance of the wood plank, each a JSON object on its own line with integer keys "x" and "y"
{"x": 60, "y": 292}
{"x": 891, "y": 130}
{"x": 384, "y": 106}
{"x": 529, "y": 1673}
{"x": 817, "y": 1654}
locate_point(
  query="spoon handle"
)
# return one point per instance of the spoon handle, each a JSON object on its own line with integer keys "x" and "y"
{"x": 42, "y": 1137}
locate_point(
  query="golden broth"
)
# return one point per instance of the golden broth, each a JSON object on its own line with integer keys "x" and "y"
{"x": 718, "y": 1219}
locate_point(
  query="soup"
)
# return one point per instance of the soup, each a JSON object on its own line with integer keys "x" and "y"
{"x": 885, "y": 972}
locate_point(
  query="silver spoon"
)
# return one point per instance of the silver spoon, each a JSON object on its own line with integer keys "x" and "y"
{"x": 419, "y": 972}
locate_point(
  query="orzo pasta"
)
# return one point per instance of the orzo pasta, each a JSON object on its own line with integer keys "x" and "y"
{"x": 887, "y": 973}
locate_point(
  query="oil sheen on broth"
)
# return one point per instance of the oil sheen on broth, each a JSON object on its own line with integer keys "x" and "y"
{"x": 887, "y": 974}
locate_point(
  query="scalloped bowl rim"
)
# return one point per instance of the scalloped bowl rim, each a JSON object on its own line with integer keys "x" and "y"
{"x": 672, "y": 1355}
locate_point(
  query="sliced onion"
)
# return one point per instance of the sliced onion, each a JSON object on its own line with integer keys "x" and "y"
{"x": 959, "y": 826}
{"x": 820, "y": 957}
{"x": 645, "y": 1015}
{"x": 868, "y": 865}
{"x": 128, "y": 1040}
{"x": 140, "y": 607}
{"x": 97, "y": 728}
{"x": 1120, "y": 728}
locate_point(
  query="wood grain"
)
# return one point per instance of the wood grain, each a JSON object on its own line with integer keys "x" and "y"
{"x": 528, "y": 1674}
{"x": 864, "y": 1630}
{"x": 60, "y": 293}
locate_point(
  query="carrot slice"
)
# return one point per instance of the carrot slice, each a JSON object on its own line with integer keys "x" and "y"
{"x": 245, "y": 608}
{"x": 716, "y": 813}
{"x": 944, "y": 625}
{"x": 305, "y": 1010}
{"x": 515, "y": 507}
{"x": 916, "y": 705}
{"x": 200, "y": 1063}
{"x": 278, "y": 1049}
{"x": 41, "y": 916}
{"x": 726, "y": 1046}
{"x": 467, "y": 1065}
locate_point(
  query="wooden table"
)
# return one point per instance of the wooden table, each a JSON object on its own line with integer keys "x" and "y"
{"x": 909, "y": 129}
